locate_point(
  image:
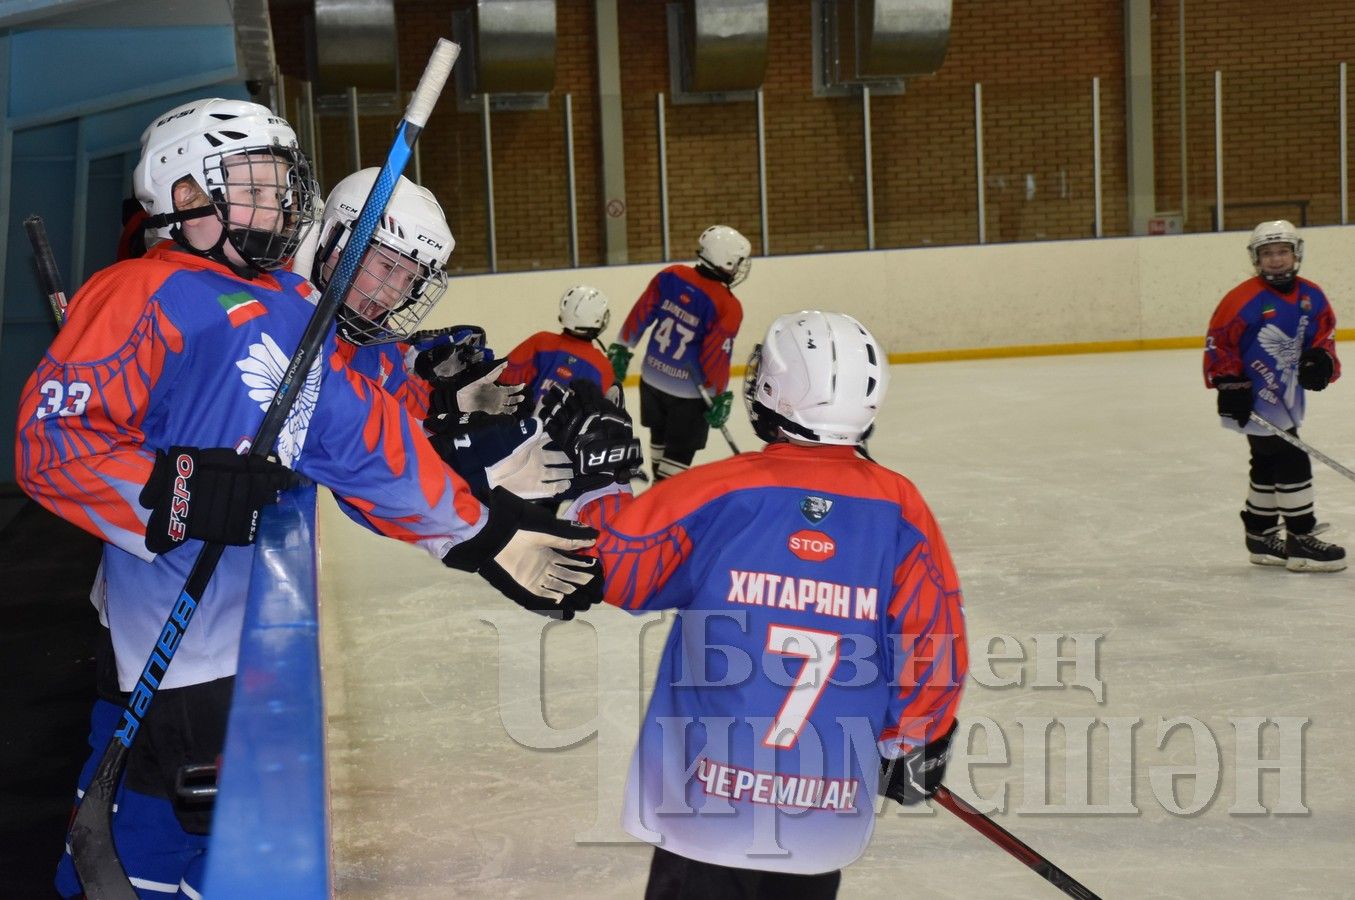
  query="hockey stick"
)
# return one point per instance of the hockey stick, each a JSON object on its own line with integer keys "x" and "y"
{"x": 1013, "y": 845}
{"x": 710, "y": 404}
{"x": 49, "y": 276}
{"x": 92, "y": 848}
{"x": 1311, "y": 451}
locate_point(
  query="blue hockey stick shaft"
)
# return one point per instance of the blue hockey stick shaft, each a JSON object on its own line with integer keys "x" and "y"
{"x": 92, "y": 848}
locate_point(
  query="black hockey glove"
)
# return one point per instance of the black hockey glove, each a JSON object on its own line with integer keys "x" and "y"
{"x": 526, "y": 553}
{"x": 211, "y": 495}
{"x": 1234, "y": 397}
{"x": 593, "y": 431}
{"x": 917, "y": 774}
{"x": 444, "y": 352}
{"x": 1315, "y": 369}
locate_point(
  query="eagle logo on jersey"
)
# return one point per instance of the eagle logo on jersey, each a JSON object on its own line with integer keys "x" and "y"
{"x": 1286, "y": 351}
{"x": 262, "y": 373}
{"x": 815, "y": 508}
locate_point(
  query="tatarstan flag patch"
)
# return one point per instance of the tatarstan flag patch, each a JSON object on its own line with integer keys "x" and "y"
{"x": 1268, "y": 311}
{"x": 240, "y": 307}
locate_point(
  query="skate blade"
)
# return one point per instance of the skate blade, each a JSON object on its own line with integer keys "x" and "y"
{"x": 1315, "y": 565}
{"x": 1265, "y": 559}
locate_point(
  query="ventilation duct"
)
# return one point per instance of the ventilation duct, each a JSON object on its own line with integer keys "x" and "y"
{"x": 355, "y": 46}
{"x": 515, "y": 46}
{"x": 724, "y": 46}
{"x": 901, "y": 37}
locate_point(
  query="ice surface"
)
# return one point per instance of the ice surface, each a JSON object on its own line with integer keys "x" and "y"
{"x": 477, "y": 753}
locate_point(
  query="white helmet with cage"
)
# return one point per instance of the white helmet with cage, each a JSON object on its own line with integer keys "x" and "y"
{"x": 194, "y": 140}
{"x": 584, "y": 312}
{"x": 817, "y": 377}
{"x": 404, "y": 274}
{"x": 726, "y": 251}
{"x": 1276, "y": 231}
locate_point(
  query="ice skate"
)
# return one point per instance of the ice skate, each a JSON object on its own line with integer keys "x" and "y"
{"x": 1268, "y": 548}
{"x": 1309, "y": 554}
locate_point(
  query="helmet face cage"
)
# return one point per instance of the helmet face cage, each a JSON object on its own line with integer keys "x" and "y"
{"x": 766, "y": 424}
{"x": 265, "y": 197}
{"x": 1279, "y": 231}
{"x": 402, "y": 273}
{"x": 389, "y": 296}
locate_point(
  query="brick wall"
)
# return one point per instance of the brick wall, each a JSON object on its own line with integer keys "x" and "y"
{"x": 1035, "y": 59}
{"x": 1280, "y": 103}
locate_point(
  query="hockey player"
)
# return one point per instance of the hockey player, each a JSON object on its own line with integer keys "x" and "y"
{"x": 132, "y": 424}
{"x": 548, "y": 358}
{"x": 819, "y": 651}
{"x": 695, "y": 317}
{"x": 447, "y": 379}
{"x": 1271, "y": 339}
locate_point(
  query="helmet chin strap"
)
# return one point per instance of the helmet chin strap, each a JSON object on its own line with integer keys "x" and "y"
{"x": 713, "y": 273}
{"x": 215, "y": 253}
{"x": 1282, "y": 283}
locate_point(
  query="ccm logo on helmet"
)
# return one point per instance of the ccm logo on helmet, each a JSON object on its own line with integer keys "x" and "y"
{"x": 436, "y": 245}
{"x": 812, "y": 546}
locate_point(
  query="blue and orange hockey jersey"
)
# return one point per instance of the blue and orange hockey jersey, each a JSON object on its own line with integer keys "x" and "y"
{"x": 695, "y": 320}
{"x": 390, "y": 366}
{"x": 819, "y": 624}
{"x": 548, "y": 358}
{"x": 172, "y": 349}
{"x": 1258, "y": 332}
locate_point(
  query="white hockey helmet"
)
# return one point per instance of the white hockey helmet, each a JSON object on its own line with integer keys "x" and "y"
{"x": 1276, "y": 231}
{"x": 817, "y": 377}
{"x": 412, "y": 232}
{"x": 192, "y": 141}
{"x": 726, "y": 251}
{"x": 583, "y": 311}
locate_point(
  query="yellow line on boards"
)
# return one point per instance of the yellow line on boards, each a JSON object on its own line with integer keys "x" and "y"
{"x": 921, "y": 356}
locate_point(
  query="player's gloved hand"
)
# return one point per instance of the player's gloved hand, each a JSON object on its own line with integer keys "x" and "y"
{"x": 530, "y": 556}
{"x": 473, "y": 389}
{"x": 211, "y": 495}
{"x": 916, "y": 775}
{"x": 1315, "y": 369}
{"x": 620, "y": 355}
{"x": 533, "y": 471}
{"x": 718, "y": 412}
{"x": 594, "y": 432}
{"x": 1234, "y": 397}
{"x": 443, "y": 352}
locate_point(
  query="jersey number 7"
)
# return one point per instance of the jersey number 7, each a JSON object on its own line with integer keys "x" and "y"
{"x": 819, "y": 650}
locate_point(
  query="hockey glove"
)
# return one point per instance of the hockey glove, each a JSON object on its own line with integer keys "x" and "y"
{"x": 718, "y": 412}
{"x": 532, "y": 471}
{"x": 620, "y": 355}
{"x": 1234, "y": 397}
{"x": 444, "y": 352}
{"x": 473, "y": 390}
{"x": 916, "y": 775}
{"x": 1315, "y": 369}
{"x": 525, "y": 553}
{"x": 594, "y": 432}
{"x": 211, "y": 495}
